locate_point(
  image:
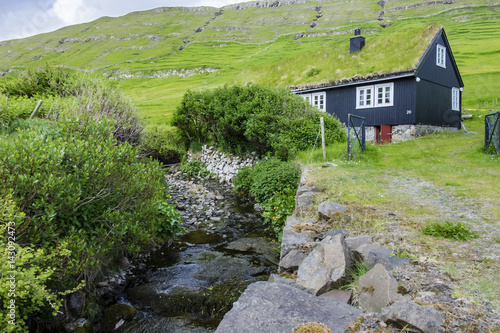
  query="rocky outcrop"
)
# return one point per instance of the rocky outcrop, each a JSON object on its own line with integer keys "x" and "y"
{"x": 225, "y": 166}
{"x": 275, "y": 307}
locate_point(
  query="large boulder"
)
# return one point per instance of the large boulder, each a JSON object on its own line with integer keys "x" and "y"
{"x": 325, "y": 266}
{"x": 267, "y": 307}
{"x": 415, "y": 317}
{"x": 377, "y": 289}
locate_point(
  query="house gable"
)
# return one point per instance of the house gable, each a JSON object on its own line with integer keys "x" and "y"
{"x": 431, "y": 67}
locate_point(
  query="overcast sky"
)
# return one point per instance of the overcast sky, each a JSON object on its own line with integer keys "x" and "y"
{"x": 23, "y": 18}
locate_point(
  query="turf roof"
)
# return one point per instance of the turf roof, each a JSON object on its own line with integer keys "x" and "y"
{"x": 391, "y": 52}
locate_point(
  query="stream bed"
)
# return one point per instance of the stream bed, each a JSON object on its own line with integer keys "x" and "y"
{"x": 189, "y": 285}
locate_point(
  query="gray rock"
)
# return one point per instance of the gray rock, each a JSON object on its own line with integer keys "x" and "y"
{"x": 117, "y": 315}
{"x": 275, "y": 307}
{"x": 327, "y": 209}
{"x": 292, "y": 239}
{"x": 292, "y": 261}
{"x": 329, "y": 165}
{"x": 342, "y": 296}
{"x": 308, "y": 189}
{"x": 377, "y": 289}
{"x": 303, "y": 201}
{"x": 327, "y": 263}
{"x": 372, "y": 254}
{"x": 355, "y": 242}
{"x": 275, "y": 278}
{"x": 331, "y": 233}
{"x": 424, "y": 319}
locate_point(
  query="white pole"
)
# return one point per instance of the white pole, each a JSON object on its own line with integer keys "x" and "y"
{"x": 322, "y": 122}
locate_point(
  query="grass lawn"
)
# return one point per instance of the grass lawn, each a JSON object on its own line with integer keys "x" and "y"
{"x": 438, "y": 178}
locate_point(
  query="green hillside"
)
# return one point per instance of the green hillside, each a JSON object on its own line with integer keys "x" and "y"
{"x": 157, "y": 55}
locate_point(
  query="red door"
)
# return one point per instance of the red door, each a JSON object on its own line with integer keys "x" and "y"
{"x": 385, "y": 134}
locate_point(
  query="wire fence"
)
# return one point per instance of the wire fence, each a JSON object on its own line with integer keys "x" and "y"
{"x": 356, "y": 133}
{"x": 492, "y": 131}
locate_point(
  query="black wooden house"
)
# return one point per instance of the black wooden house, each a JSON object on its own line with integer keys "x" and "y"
{"x": 398, "y": 105}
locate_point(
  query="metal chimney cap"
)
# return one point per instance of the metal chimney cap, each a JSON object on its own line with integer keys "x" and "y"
{"x": 357, "y": 32}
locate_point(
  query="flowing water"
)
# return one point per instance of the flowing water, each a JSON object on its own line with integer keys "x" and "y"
{"x": 189, "y": 285}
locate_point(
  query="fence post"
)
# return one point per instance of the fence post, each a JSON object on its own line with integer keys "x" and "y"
{"x": 322, "y": 122}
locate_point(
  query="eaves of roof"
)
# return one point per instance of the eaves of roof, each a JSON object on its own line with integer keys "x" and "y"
{"x": 354, "y": 81}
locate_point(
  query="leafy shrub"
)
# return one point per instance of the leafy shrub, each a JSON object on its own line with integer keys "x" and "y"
{"x": 25, "y": 292}
{"x": 242, "y": 181}
{"x": 78, "y": 184}
{"x": 194, "y": 168}
{"x": 164, "y": 144}
{"x": 273, "y": 176}
{"x": 86, "y": 94}
{"x": 275, "y": 211}
{"x": 449, "y": 230}
{"x": 252, "y": 118}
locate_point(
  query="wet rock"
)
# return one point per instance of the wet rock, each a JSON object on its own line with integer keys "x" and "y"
{"x": 377, "y": 289}
{"x": 276, "y": 307}
{"x": 226, "y": 268}
{"x": 117, "y": 315}
{"x": 327, "y": 209}
{"x": 76, "y": 303}
{"x": 325, "y": 266}
{"x": 123, "y": 262}
{"x": 79, "y": 326}
{"x": 414, "y": 317}
{"x": 255, "y": 245}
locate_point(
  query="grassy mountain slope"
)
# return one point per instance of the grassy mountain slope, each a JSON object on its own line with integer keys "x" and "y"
{"x": 159, "y": 54}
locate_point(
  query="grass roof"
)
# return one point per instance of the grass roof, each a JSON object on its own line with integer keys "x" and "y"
{"x": 386, "y": 52}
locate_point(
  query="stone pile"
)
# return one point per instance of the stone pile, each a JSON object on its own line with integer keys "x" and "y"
{"x": 225, "y": 166}
{"x": 317, "y": 261}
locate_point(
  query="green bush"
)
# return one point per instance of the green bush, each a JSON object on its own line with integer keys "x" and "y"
{"x": 252, "y": 118}
{"x": 66, "y": 93}
{"x": 449, "y": 230}
{"x": 77, "y": 183}
{"x": 273, "y": 176}
{"x": 26, "y": 292}
{"x": 242, "y": 182}
{"x": 164, "y": 144}
{"x": 194, "y": 168}
{"x": 275, "y": 211}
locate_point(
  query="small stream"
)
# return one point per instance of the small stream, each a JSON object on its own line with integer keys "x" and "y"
{"x": 189, "y": 285}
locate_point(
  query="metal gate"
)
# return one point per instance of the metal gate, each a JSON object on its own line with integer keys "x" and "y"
{"x": 492, "y": 131}
{"x": 355, "y": 133}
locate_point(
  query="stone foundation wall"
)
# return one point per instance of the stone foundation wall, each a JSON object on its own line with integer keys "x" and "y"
{"x": 225, "y": 166}
{"x": 408, "y": 132}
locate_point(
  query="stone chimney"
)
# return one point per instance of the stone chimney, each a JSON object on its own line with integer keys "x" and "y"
{"x": 357, "y": 42}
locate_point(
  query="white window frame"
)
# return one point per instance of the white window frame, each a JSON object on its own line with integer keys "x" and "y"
{"x": 387, "y": 97}
{"x": 440, "y": 56}
{"x": 367, "y": 96}
{"x": 319, "y": 100}
{"x": 455, "y": 99}
{"x": 364, "y": 97}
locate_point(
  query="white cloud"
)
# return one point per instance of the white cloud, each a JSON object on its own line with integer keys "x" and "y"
{"x": 74, "y": 11}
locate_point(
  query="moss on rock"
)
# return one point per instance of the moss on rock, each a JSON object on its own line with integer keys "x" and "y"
{"x": 115, "y": 314}
{"x": 312, "y": 328}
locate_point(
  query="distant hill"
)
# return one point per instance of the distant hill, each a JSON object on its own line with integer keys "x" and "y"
{"x": 158, "y": 54}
